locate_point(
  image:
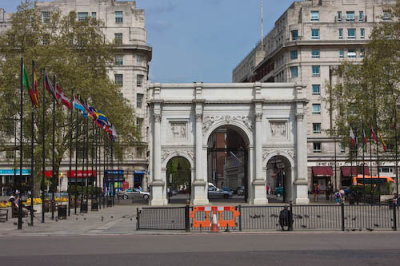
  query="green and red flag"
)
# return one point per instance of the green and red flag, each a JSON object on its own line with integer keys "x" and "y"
{"x": 33, "y": 92}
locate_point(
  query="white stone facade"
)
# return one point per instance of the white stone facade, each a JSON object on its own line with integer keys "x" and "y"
{"x": 308, "y": 41}
{"x": 269, "y": 117}
{"x": 121, "y": 19}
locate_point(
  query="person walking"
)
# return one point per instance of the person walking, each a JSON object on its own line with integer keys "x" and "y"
{"x": 338, "y": 197}
{"x": 315, "y": 193}
{"x": 285, "y": 219}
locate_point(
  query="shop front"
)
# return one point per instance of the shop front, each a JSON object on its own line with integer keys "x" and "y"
{"x": 346, "y": 172}
{"x": 11, "y": 179}
{"x": 322, "y": 176}
{"x": 113, "y": 181}
{"x": 138, "y": 176}
{"x": 80, "y": 178}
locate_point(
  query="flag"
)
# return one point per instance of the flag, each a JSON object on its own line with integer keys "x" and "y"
{"x": 112, "y": 132}
{"x": 383, "y": 143}
{"x": 49, "y": 86}
{"x": 236, "y": 161}
{"x": 373, "y": 135}
{"x": 353, "y": 139}
{"x": 92, "y": 113}
{"x": 364, "y": 137}
{"x": 77, "y": 103}
{"x": 27, "y": 86}
{"x": 62, "y": 98}
{"x": 35, "y": 84}
{"x": 101, "y": 117}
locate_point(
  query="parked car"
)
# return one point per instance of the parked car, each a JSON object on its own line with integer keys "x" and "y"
{"x": 240, "y": 190}
{"x": 214, "y": 192}
{"x": 133, "y": 193}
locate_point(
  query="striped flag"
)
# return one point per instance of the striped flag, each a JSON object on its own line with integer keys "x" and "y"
{"x": 353, "y": 138}
{"x": 383, "y": 142}
{"x": 373, "y": 135}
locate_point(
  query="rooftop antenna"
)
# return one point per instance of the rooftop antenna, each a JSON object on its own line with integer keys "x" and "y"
{"x": 262, "y": 25}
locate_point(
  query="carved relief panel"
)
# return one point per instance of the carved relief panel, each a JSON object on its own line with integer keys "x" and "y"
{"x": 178, "y": 130}
{"x": 279, "y": 129}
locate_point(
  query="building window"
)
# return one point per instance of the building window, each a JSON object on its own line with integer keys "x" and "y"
{"x": 342, "y": 148}
{"x": 340, "y": 33}
{"x": 139, "y": 60}
{"x": 10, "y": 154}
{"x": 351, "y": 53}
{"x": 351, "y": 33}
{"x": 293, "y": 54}
{"x": 139, "y": 80}
{"x": 94, "y": 15}
{"x": 119, "y": 79}
{"x": 316, "y": 128}
{"x": 362, "y": 33}
{"x": 362, "y": 53}
{"x": 316, "y": 71}
{"x": 314, "y": 16}
{"x": 82, "y": 16}
{"x": 315, "y": 53}
{"x": 294, "y": 71}
{"x": 139, "y": 100}
{"x": 339, "y": 16}
{"x": 139, "y": 124}
{"x": 315, "y": 34}
{"x": 316, "y": 89}
{"x": 387, "y": 15}
{"x": 350, "y": 16}
{"x": 119, "y": 60}
{"x": 46, "y": 16}
{"x": 316, "y": 108}
{"x": 295, "y": 35}
{"x": 119, "y": 17}
{"x": 317, "y": 147}
{"x": 361, "y": 16}
{"x": 118, "y": 38}
{"x": 341, "y": 53}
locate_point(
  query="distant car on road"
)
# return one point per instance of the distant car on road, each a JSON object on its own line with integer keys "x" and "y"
{"x": 214, "y": 192}
{"x": 240, "y": 190}
{"x": 133, "y": 193}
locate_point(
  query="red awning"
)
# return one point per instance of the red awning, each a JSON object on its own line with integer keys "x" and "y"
{"x": 348, "y": 171}
{"x": 47, "y": 174}
{"x": 85, "y": 173}
{"x": 322, "y": 171}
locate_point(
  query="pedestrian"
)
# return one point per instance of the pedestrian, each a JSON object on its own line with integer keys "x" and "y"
{"x": 338, "y": 197}
{"x": 267, "y": 189}
{"x": 315, "y": 192}
{"x": 285, "y": 219}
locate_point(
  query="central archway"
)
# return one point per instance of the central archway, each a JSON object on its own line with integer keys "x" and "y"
{"x": 279, "y": 176}
{"x": 227, "y": 164}
{"x": 179, "y": 180}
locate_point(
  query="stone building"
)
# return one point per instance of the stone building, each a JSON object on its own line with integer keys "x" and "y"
{"x": 308, "y": 41}
{"x": 124, "y": 24}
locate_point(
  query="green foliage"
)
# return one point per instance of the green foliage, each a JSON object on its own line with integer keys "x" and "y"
{"x": 368, "y": 93}
{"x": 179, "y": 167}
{"x": 77, "y": 54}
{"x": 82, "y": 190}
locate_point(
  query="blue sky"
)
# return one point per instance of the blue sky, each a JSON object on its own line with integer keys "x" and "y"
{"x": 200, "y": 40}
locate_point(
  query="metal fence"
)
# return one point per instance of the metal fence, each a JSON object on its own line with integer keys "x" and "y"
{"x": 266, "y": 218}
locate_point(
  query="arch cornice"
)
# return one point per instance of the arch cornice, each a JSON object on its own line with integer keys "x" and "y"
{"x": 286, "y": 153}
{"x": 168, "y": 154}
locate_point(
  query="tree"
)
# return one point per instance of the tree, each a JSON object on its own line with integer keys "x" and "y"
{"x": 78, "y": 55}
{"x": 368, "y": 93}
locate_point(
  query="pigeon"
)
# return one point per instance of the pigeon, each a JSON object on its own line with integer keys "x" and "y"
{"x": 376, "y": 225}
{"x": 353, "y": 230}
{"x": 307, "y": 216}
{"x": 84, "y": 218}
{"x": 102, "y": 218}
{"x": 318, "y": 216}
{"x": 299, "y": 216}
{"x": 131, "y": 219}
{"x": 354, "y": 218}
{"x": 370, "y": 229}
{"x": 112, "y": 217}
{"x": 273, "y": 215}
{"x": 304, "y": 226}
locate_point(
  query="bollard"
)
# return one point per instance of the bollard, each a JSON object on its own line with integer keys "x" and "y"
{"x": 240, "y": 217}
{"x": 187, "y": 218}
{"x": 394, "y": 217}
{"x": 342, "y": 212}
{"x": 290, "y": 222}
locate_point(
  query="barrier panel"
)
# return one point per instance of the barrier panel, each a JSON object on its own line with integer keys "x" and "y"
{"x": 227, "y": 217}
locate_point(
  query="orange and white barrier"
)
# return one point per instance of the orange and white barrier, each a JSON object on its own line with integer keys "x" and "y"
{"x": 217, "y": 213}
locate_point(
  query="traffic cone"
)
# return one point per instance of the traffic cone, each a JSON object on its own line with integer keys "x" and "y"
{"x": 214, "y": 225}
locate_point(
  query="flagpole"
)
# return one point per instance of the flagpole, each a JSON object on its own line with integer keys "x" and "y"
{"x": 52, "y": 154}
{"x": 377, "y": 167}
{"x": 92, "y": 155}
{"x": 20, "y": 142}
{"x": 76, "y": 161}
{"x": 43, "y": 144}
{"x": 112, "y": 169}
{"x": 87, "y": 162}
{"x": 105, "y": 181}
{"x": 70, "y": 155}
{"x": 396, "y": 153}
{"x": 97, "y": 172}
{"x": 371, "y": 166}
{"x": 83, "y": 164}
{"x": 32, "y": 143}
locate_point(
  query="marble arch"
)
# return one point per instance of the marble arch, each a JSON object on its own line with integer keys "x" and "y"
{"x": 270, "y": 117}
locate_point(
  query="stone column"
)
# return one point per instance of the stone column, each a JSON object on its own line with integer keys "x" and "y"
{"x": 259, "y": 193}
{"x": 200, "y": 182}
{"x": 158, "y": 193}
{"x": 301, "y": 158}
